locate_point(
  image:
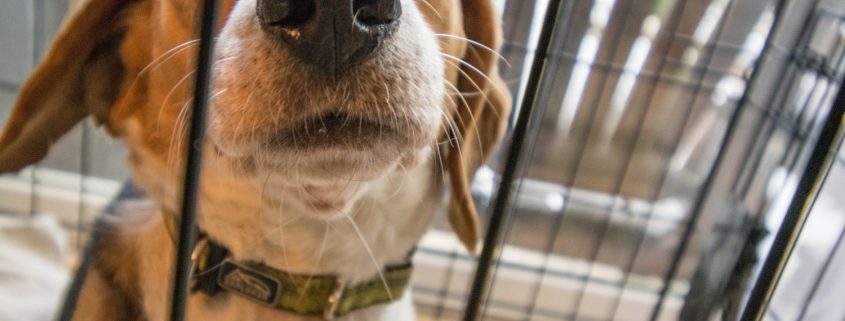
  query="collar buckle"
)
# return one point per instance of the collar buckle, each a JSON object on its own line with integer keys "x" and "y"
{"x": 196, "y": 254}
{"x": 334, "y": 299}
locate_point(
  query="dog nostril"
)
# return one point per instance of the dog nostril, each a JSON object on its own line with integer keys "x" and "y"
{"x": 286, "y": 13}
{"x": 314, "y": 32}
{"x": 373, "y": 13}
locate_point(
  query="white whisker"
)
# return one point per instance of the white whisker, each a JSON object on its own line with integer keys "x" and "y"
{"x": 428, "y": 4}
{"x": 370, "y": 253}
{"x": 476, "y": 44}
{"x": 167, "y": 55}
{"x": 316, "y": 265}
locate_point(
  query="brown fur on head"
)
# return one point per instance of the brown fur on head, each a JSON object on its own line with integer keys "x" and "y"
{"x": 128, "y": 63}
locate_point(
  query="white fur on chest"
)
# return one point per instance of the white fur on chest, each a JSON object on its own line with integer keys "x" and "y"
{"x": 386, "y": 221}
{"x": 264, "y": 222}
{"x": 391, "y": 214}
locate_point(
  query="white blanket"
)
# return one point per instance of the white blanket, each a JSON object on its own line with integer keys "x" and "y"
{"x": 33, "y": 273}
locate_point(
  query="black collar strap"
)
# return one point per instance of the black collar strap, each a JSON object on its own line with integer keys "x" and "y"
{"x": 325, "y": 295}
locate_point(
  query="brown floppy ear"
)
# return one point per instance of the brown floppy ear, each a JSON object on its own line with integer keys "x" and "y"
{"x": 79, "y": 75}
{"x": 481, "y": 116}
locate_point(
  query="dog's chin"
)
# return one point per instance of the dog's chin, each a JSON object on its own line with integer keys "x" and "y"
{"x": 330, "y": 148}
{"x": 324, "y": 176}
{"x": 329, "y": 156}
{"x": 330, "y": 166}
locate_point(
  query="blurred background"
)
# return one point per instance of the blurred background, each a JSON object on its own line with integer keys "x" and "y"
{"x": 622, "y": 211}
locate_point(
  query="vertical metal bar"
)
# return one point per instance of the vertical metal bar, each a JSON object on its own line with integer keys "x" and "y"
{"x": 790, "y": 70}
{"x": 37, "y": 37}
{"x": 444, "y": 288}
{"x": 827, "y": 70}
{"x": 614, "y": 42}
{"x": 805, "y": 307}
{"x": 84, "y": 160}
{"x": 563, "y": 23}
{"x": 39, "y": 34}
{"x": 84, "y": 171}
{"x": 187, "y": 226}
{"x": 517, "y": 26}
{"x": 671, "y": 31}
{"x": 517, "y": 18}
{"x": 796, "y": 214}
{"x": 698, "y": 204}
{"x": 801, "y": 135}
{"x": 503, "y": 196}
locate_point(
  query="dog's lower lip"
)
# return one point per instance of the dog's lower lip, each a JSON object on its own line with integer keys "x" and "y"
{"x": 333, "y": 130}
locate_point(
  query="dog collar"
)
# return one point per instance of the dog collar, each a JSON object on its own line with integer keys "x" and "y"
{"x": 327, "y": 295}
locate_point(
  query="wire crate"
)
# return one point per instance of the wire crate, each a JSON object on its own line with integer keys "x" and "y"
{"x": 671, "y": 153}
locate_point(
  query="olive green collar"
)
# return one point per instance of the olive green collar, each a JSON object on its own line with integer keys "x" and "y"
{"x": 327, "y": 295}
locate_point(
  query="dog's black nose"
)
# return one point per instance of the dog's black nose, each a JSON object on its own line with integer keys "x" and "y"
{"x": 333, "y": 35}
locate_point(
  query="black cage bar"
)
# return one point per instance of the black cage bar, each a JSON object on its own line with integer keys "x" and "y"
{"x": 187, "y": 223}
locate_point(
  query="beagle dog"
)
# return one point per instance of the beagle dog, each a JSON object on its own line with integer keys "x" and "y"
{"x": 334, "y": 127}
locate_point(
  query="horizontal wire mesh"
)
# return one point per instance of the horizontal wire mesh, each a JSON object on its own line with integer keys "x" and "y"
{"x": 571, "y": 229}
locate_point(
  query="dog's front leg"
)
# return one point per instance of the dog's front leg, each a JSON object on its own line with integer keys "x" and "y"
{"x": 99, "y": 299}
{"x": 108, "y": 285}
